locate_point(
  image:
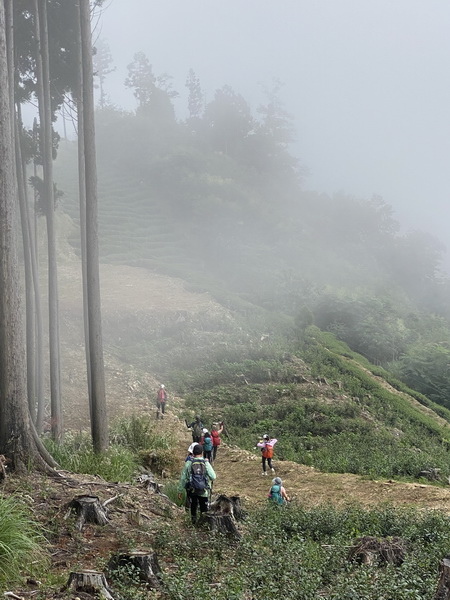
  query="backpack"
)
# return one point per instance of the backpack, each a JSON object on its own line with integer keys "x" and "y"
{"x": 207, "y": 444}
{"x": 275, "y": 494}
{"x": 267, "y": 450}
{"x": 215, "y": 438}
{"x": 197, "y": 429}
{"x": 198, "y": 480}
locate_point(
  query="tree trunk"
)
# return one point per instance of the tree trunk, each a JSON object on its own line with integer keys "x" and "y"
{"x": 82, "y": 199}
{"x": 145, "y": 565}
{"x": 45, "y": 116}
{"x": 99, "y": 422}
{"x": 16, "y": 439}
{"x": 89, "y": 582}
{"x": 29, "y": 300}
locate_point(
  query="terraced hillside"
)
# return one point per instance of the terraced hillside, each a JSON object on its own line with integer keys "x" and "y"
{"x": 134, "y": 225}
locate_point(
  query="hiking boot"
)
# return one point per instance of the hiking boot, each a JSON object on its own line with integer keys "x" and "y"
{"x": 272, "y": 469}
{"x": 263, "y": 473}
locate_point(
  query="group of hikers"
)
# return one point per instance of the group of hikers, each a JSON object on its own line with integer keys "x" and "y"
{"x": 198, "y": 474}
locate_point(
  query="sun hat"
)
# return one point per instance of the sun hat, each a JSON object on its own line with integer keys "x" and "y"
{"x": 277, "y": 481}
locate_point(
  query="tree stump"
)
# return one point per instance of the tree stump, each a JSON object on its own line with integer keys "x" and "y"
{"x": 89, "y": 510}
{"x": 369, "y": 550}
{"x": 228, "y": 506}
{"x": 89, "y": 582}
{"x": 145, "y": 564}
{"x": 443, "y": 588}
{"x": 222, "y": 515}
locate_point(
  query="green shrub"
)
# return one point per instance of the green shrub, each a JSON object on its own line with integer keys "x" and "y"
{"x": 140, "y": 433}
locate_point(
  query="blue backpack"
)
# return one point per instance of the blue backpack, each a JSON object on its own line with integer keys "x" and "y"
{"x": 208, "y": 444}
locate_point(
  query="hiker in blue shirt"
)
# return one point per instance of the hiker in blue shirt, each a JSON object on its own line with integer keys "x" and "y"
{"x": 196, "y": 479}
{"x": 207, "y": 443}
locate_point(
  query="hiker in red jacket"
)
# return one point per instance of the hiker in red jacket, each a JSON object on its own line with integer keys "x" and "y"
{"x": 216, "y": 430}
{"x": 161, "y": 398}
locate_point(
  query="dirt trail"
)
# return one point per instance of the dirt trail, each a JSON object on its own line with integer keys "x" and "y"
{"x": 239, "y": 473}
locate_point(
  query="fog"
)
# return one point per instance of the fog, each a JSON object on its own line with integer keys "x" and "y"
{"x": 368, "y": 83}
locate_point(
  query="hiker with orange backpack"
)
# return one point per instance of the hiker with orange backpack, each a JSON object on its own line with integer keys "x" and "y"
{"x": 266, "y": 445}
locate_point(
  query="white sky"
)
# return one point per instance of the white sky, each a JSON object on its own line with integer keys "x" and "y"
{"x": 368, "y": 82}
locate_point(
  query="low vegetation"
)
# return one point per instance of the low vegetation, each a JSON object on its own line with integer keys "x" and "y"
{"x": 328, "y": 406}
{"x": 303, "y": 554}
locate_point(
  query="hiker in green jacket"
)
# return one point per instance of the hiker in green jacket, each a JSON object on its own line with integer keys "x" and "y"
{"x": 196, "y": 479}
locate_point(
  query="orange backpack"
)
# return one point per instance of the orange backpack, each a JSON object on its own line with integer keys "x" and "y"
{"x": 267, "y": 451}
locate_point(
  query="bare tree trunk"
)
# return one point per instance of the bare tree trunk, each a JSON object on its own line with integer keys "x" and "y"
{"x": 47, "y": 159}
{"x": 99, "y": 423}
{"x": 16, "y": 439}
{"x": 39, "y": 355}
{"x": 82, "y": 195}
{"x": 29, "y": 300}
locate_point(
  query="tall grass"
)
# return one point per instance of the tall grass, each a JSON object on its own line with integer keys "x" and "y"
{"x": 22, "y": 543}
{"x": 75, "y": 454}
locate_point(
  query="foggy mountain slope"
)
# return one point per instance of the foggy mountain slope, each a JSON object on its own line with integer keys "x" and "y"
{"x": 249, "y": 370}
{"x": 236, "y": 223}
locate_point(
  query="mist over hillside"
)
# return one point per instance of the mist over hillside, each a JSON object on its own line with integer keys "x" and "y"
{"x": 218, "y": 200}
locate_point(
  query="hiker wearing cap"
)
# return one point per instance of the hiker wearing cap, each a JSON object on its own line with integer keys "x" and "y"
{"x": 190, "y": 453}
{"x": 196, "y": 427}
{"x": 196, "y": 478}
{"x": 216, "y": 430}
{"x": 161, "y": 398}
{"x": 277, "y": 493}
{"x": 207, "y": 444}
{"x": 266, "y": 445}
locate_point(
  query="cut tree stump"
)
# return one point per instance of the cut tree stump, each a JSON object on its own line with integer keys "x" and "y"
{"x": 145, "y": 564}
{"x": 222, "y": 515}
{"x": 89, "y": 582}
{"x": 89, "y": 510}
{"x": 369, "y": 550}
{"x": 443, "y": 588}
